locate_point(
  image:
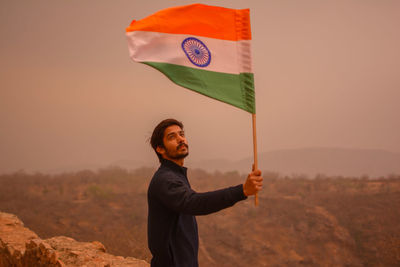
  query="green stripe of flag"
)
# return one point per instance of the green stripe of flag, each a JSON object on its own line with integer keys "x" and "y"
{"x": 234, "y": 89}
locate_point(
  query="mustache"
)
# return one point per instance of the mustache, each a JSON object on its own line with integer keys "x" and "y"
{"x": 180, "y": 145}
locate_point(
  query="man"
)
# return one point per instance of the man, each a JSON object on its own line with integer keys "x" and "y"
{"x": 172, "y": 227}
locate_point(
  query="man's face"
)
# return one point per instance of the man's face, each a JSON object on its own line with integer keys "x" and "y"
{"x": 175, "y": 144}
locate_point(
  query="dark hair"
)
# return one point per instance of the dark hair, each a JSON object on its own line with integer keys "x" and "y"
{"x": 157, "y": 137}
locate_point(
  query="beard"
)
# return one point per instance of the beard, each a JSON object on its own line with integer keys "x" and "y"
{"x": 176, "y": 154}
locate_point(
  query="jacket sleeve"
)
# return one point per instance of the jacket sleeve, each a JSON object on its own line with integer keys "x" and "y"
{"x": 178, "y": 196}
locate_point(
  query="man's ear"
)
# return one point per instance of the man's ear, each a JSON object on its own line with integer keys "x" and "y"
{"x": 160, "y": 150}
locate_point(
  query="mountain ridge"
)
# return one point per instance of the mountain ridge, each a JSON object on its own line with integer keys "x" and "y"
{"x": 315, "y": 160}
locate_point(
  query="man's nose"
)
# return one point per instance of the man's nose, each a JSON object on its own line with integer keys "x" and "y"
{"x": 181, "y": 139}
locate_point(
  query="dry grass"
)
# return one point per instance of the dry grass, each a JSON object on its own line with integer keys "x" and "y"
{"x": 325, "y": 221}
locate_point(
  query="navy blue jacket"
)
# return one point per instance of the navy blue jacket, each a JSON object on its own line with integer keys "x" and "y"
{"x": 172, "y": 227}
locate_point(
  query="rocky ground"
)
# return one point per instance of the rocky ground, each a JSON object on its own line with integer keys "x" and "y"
{"x": 20, "y": 247}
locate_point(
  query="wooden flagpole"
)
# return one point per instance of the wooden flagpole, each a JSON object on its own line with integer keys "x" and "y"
{"x": 253, "y": 116}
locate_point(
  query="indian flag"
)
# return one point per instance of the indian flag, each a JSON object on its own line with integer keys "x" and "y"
{"x": 203, "y": 48}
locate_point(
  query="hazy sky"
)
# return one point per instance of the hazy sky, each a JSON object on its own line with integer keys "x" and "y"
{"x": 327, "y": 73}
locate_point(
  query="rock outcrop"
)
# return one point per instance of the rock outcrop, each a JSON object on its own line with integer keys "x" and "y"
{"x": 21, "y": 247}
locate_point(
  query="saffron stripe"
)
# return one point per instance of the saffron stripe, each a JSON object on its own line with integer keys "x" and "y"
{"x": 198, "y": 19}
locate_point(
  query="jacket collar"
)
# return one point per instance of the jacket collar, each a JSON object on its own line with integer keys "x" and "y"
{"x": 173, "y": 166}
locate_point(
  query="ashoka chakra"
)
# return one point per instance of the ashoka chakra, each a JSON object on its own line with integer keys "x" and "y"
{"x": 196, "y": 51}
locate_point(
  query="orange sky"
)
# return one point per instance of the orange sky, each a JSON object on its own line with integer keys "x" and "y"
{"x": 327, "y": 74}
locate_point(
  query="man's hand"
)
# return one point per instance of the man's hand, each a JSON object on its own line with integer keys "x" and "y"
{"x": 253, "y": 183}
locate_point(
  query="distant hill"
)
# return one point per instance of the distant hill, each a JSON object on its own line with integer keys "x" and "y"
{"x": 312, "y": 161}
{"x": 305, "y": 161}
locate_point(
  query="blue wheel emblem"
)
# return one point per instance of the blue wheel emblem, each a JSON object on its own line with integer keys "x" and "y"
{"x": 196, "y": 51}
